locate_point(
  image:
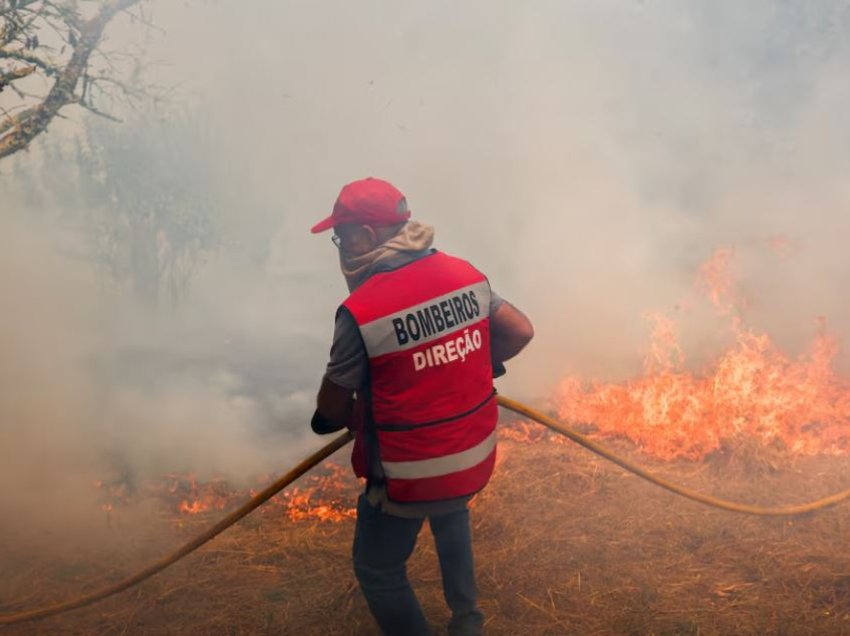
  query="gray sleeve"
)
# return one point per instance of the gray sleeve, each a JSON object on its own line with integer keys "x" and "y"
{"x": 495, "y": 302}
{"x": 348, "y": 366}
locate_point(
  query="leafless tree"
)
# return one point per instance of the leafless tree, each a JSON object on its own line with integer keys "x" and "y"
{"x": 56, "y": 40}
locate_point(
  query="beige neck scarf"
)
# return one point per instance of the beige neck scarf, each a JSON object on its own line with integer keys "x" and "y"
{"x": 413, "y": 237}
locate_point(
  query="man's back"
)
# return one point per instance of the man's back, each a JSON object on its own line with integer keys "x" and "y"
{"x": 431, "y": 410}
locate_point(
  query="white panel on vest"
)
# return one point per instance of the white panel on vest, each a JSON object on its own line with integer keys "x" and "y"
{"x": 428, "y": 321}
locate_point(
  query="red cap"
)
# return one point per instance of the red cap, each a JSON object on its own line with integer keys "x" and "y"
{"x": 367, "y": 202}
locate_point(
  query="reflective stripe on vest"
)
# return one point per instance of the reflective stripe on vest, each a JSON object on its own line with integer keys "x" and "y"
{"x": 444, "y": 465}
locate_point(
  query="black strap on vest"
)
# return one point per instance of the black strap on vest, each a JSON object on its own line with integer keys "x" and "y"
{"x": 393, "y": 428}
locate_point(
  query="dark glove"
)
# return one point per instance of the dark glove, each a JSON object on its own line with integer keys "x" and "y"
{"x": 499, "y": 369}
{"x": 323, "y": 426}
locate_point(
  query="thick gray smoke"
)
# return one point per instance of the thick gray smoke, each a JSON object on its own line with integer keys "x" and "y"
{"x": 587, "y": 156}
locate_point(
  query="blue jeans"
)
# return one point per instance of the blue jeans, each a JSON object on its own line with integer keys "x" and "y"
{"x": 382, "y": 545}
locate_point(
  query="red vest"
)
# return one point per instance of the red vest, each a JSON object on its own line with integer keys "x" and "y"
{"x": 431, "y": 407}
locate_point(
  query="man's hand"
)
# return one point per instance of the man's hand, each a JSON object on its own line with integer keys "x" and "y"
{"x": 333, "y": 408}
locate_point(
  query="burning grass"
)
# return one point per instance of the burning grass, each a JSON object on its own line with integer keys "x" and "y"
{"x": 565, "y": 543}
{"x": 753, "y": 391}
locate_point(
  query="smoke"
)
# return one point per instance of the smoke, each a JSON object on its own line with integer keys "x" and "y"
{"x": 586, "y": 156}
{"x": 98, "y": 396}
{"x": 46, "y": 434}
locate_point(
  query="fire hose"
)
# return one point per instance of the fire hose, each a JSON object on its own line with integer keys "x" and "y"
{"x": 326, "y": 451}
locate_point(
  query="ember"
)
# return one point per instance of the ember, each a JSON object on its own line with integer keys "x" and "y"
{"x": 199, "y": 497}
{"x": 325, "y": 495}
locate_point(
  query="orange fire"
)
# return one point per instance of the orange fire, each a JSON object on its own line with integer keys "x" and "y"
{"x": 752, "y": 390}
{"x": 324, "y": 495}
{"x": 320, "y": 497}
{"x": 196, "y": 497}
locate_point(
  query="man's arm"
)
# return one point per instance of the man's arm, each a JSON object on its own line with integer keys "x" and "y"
{"x": 510, "y": 331}
{"x": 333, "y": 408}
{"x": 347, "y": 367}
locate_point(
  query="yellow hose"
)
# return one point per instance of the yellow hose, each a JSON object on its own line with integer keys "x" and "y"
{"x": 255, "y": 502}
{"x": 723, "y": 504}
{"x": 324, "y": 452}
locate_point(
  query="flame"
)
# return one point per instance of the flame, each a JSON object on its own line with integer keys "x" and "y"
{"x": 320, "y": 498}
{"x": 324, "y": 495}
{"x": 752, "y": 390}
{"x": 300, "y": 507}
{"x": 716, "y": 278}
{"x": 198, "y": 497}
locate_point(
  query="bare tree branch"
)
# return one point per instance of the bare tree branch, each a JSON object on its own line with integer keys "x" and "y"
{"x": 27, "y": 58}
{"x": 16, "y": 74}
{"x": 88, "y": 106}
{"x": 84, "y": 36}
{"x": 17, "y": 120}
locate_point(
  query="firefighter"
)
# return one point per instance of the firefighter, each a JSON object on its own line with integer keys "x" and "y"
{"x": 414, "y": 352}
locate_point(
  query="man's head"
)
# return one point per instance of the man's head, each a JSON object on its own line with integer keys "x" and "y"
{"x": 366, "y": 214}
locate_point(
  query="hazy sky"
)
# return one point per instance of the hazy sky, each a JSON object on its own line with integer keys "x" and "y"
{"x": 587, "y": 156}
